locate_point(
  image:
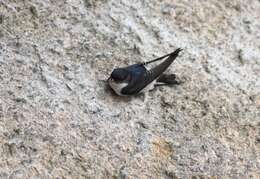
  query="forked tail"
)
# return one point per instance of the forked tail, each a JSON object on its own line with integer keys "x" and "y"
{"x": 176, "y": 52}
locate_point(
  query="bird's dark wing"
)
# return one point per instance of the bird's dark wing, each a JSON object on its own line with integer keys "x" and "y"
{"x": 136, "y": 84}
{"x": 159, "y": 69}
{"x": 138, "y": 77}
{"x": 140, "y": 81}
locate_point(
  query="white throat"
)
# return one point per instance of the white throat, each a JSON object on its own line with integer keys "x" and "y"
{"x": 117, "y": 87}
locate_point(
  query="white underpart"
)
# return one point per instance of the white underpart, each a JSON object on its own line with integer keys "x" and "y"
{"x": 117, "y": 87}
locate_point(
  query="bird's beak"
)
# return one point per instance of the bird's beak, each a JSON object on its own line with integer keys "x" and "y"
{"x": 108, "y": 79}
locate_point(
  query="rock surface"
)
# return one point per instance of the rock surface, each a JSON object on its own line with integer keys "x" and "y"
{"x": 59, "y": 120}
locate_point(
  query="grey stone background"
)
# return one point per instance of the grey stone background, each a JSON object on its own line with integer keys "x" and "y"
{"x": 59, "y": 120}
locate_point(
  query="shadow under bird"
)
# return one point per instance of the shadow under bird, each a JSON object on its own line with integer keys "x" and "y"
{"x": 137, "y": 78}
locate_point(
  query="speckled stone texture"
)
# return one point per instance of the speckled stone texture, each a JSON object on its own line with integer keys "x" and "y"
{"x": 58, "y": 119}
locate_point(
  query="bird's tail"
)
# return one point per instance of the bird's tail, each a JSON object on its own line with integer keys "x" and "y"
{"x": 175, "y": 53}
{"x": 167, "y": 80}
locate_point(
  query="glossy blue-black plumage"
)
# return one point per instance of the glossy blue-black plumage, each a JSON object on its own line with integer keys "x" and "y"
{"x": 136, "y": 70}
{"x": 138, "y": 77}
{"x": 132, "y": 71}
{"x": 119, "y": 74}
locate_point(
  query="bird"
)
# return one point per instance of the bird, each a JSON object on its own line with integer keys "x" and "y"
{"x": 137, "y": 78}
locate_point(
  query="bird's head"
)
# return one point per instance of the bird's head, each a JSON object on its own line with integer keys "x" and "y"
{"x": 119, "y": 75}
